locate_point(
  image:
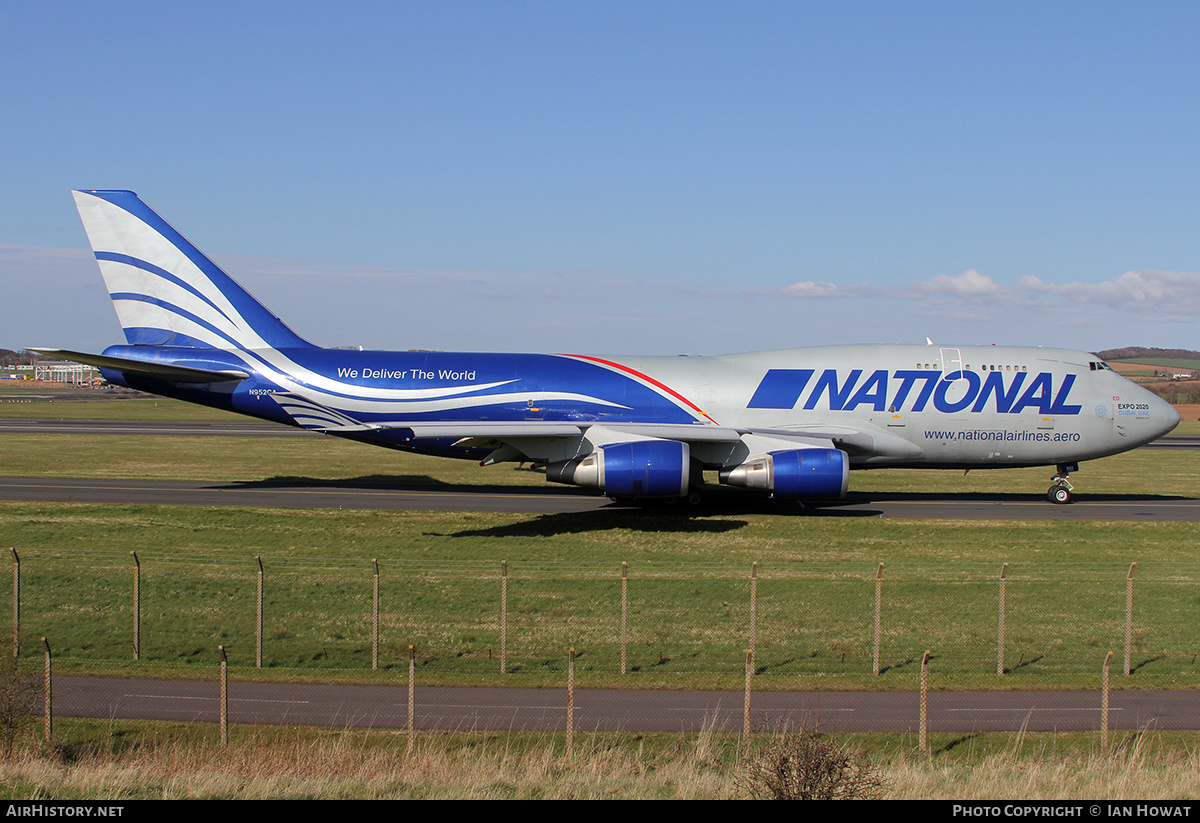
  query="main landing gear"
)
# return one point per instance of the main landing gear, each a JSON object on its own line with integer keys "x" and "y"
{"x": 1060, "y": 492}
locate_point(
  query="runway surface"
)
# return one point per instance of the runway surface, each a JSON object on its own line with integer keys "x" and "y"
{"x": 519, "y": 709}
{"x": 521, "y": 499}
{"x": 541, "y": 499}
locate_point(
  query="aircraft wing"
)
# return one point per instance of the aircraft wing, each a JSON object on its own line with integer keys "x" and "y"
{"x": 494, "y": 430}
{"x": 858, "y": 442}
{"x": 175, "y": 372}
{"x": 539, "y": 428}
{"x": 514, "y": 433}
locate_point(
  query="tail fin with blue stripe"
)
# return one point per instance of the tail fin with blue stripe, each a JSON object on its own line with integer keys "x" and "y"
{"x": 165, "y": 291}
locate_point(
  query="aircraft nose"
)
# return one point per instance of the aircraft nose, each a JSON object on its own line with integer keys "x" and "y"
{"x": 1163, "y": 415}
{"x": 1155, "y": 416}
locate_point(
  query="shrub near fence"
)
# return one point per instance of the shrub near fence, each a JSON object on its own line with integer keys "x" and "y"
{"x": 467, "y": 618}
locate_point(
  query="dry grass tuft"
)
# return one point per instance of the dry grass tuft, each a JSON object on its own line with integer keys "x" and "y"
{"x": 304, "y": 764}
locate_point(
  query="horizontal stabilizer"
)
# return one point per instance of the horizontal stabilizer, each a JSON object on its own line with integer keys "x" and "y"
{"x": 174, "y": 372}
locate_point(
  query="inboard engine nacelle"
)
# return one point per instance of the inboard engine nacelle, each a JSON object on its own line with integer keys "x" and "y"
{"x": 641, "y": 468}
{"x": 806, "y": 473}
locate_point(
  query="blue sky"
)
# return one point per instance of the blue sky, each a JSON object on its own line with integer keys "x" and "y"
{"x": 649, "y": 177}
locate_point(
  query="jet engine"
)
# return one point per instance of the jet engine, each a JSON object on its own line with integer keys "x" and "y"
{"x": 808, "y": 473}
{"x": 641, "y": 468}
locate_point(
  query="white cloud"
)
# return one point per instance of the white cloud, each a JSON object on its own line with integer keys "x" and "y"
{"x": 811, "y": 288}
{"x": 970, "y": 285}
{"x": 1175, "y": 292}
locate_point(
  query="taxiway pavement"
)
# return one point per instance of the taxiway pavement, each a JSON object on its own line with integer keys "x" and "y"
{"x": 522, "y": 499}
{"x": 523, "y": 709}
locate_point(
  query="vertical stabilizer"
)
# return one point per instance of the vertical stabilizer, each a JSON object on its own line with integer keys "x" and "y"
{"x": 165, "y": 291}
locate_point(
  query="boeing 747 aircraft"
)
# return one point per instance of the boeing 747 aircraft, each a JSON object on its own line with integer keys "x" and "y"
{"x": 788, "y": 423}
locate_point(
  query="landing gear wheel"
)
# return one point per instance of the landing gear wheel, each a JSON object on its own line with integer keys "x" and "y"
{"x": 1059, "y": 494}
{"x": 694, "y": 498}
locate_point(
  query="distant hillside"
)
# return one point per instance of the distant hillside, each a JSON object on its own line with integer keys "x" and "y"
{"x": 1143, "y": 353}
{"x": 1165, "y": 363}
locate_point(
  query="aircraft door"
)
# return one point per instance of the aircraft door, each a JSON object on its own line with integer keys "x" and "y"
{"x": 951, "y": 364}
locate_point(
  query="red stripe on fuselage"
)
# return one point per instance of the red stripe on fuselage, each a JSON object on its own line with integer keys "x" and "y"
{"x": 648, "y": 379}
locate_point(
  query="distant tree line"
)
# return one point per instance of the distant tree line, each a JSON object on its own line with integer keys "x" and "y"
{"x": 1142, "y": 352}
{"x": 8, "y": 357}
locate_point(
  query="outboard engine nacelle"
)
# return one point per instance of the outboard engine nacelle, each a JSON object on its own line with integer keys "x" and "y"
{"x": 808, "y": 473}
{"x": 641, "y": 468}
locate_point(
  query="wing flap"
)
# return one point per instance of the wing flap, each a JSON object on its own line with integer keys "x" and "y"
{"x": 856, "y": 441}
{"x": 497, "y": 429}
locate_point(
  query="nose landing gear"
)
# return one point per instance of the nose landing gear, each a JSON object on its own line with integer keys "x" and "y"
{"x": 1061, "y": 491}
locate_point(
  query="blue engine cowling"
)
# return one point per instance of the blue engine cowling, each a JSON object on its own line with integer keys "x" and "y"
{"x": 807, "y": 473}
{"x": 640, "y": 468}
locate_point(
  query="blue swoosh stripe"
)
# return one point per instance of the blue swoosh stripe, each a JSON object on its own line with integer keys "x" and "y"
{"x": 171, "y": 307}
{"x": 269, "y": 327}
{"x": 150, "y": 268}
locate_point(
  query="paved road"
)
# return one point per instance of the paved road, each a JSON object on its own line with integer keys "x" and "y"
{"x": 450, "y": 708}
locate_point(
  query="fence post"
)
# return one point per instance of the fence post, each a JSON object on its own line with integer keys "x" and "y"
{"x": 925, "y": 703}
{"x": 1000, "y": 638}
{"x": 753, "y": 609}
{"x": 412, "y": 693}
{"x": 1104, "y": 705}
{"x": 224, "y": 696}
{"x": 878, "y": 610}
{"x": 16, "y": 621}
{"x": 375, "y": 615}
{"x": 137, "y": 606}
{"x": 258, "y": 615}
{"x": 47, "y": 692}
{"x": 570, "y": 700}
{"x": 624, "y": 610}
{"x": 503, "y": 616}
{"x": 746, "y": 705}
{"x": 1129, "y": 616}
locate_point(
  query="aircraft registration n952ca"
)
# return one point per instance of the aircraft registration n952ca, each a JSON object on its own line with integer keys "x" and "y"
{"x": 788, "y": 423}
